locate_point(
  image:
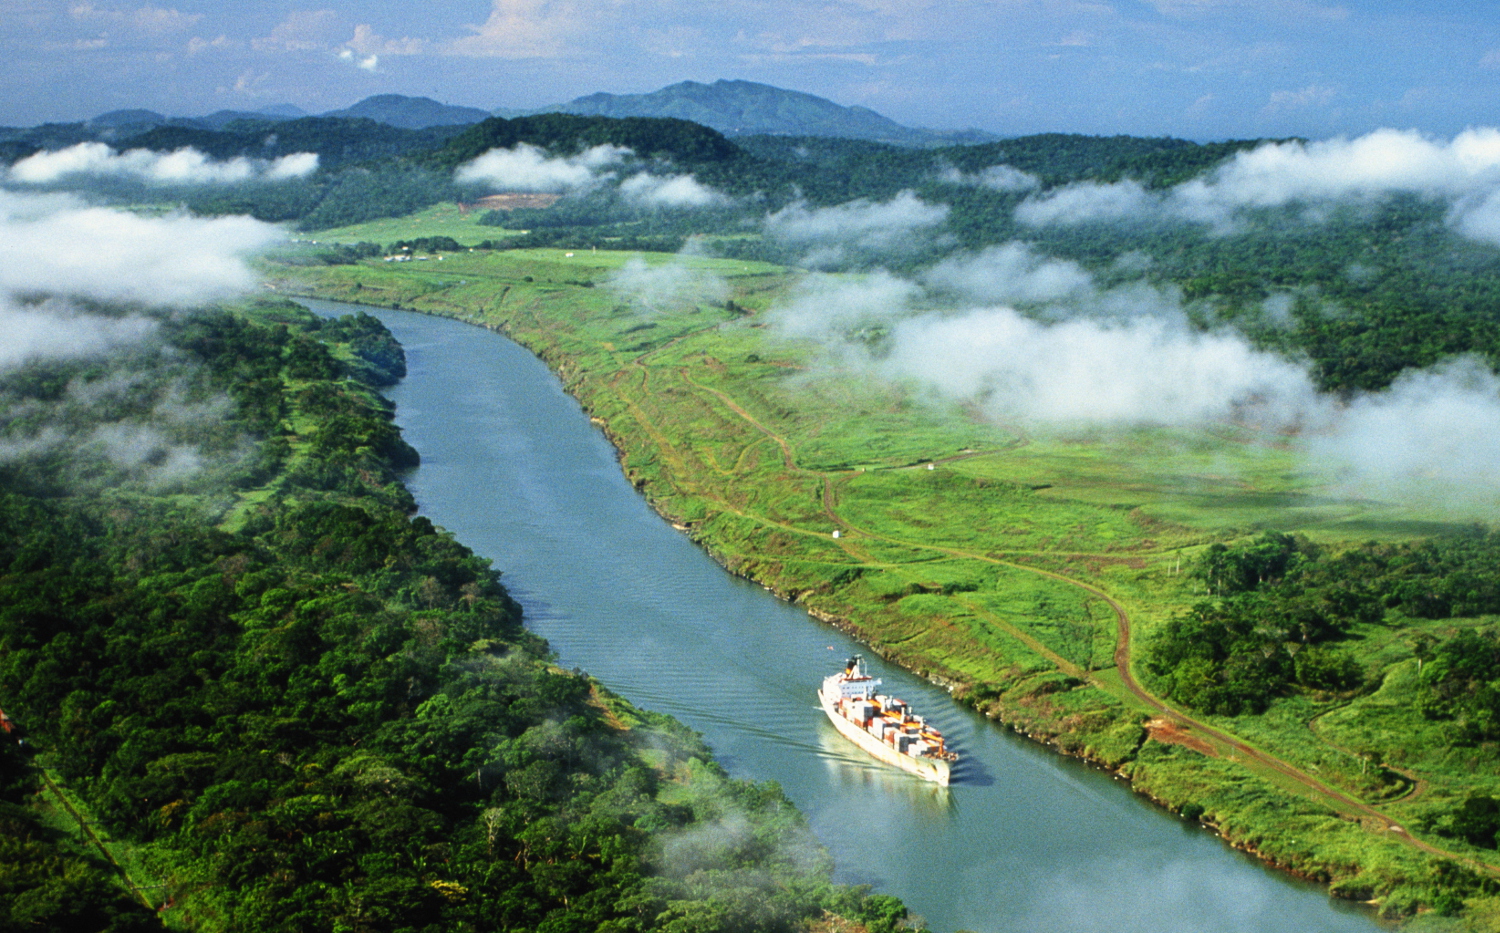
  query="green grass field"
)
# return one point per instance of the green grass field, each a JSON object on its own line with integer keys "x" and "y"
{"x": 445, "y": 219}
{"x": 986, "y": 556}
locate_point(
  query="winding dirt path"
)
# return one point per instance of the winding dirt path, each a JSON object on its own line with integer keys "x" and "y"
{"x": 1416, "y": 786}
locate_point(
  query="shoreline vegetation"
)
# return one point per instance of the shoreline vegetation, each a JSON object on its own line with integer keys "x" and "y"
{"x": 275, "y": 699}
{"x": 1024, "y": 573}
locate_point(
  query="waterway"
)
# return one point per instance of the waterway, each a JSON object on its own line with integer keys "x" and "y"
{"x": 1025, "y": 841}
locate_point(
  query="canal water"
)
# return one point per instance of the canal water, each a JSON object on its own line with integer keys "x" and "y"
{"x": 1025, "y": 841}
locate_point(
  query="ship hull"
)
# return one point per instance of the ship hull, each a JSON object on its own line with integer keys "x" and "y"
{"x": 932, "y": 769}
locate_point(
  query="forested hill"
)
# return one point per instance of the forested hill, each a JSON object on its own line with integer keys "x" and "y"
{"x": 412, "y": 113}
{"x": 368, "y": 169}
{"x": 681, "y": 141}
{"x": 1410, "y": 289}
{"x": 294, "y": 706}
{"x": 741, "y": 108}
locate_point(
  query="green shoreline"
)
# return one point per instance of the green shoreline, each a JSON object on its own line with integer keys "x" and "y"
{"x": 285, "y": 701}
{"x": 1077, "y": 705}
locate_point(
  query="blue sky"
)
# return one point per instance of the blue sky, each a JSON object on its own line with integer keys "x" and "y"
{"x": 1199, "y": 69}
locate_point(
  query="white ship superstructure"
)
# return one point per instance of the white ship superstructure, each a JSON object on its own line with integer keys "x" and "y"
{"x": 883, "y": 725}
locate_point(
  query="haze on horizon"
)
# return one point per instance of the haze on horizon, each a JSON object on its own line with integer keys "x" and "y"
{"x": 1198, "y": 69}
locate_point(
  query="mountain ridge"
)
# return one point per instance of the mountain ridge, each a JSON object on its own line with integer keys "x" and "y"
{"x": 411, "y": 113}
{"x": 747, "y": 108}
{"x": 733, "y": 107}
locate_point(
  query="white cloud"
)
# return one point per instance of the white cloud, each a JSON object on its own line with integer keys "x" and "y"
{"x": 995, "y": 177}
{"x": 861, "y": 221}
{"x": 58, "y": 249}
{"x": 150, "y": 20}
{"x": 291, "y": 165}
{"x": 1280, "y": 10}
{"x": 1149, "y": 370}
{"x": 1432, "y": 439}
{"x": 531, "y": 29}
{"x": 53, "y": 330}
{"x": 1011, "y": 273}
{"x": 368, "y": 63}
{"x": 831, "y": 234}
{"x": 198, "y": 44}
{"x": 668, "y": 286}
{"x": 59, "y": 246}
{"x": 143, "y": 446}
{"x": 1313, "y": 95}
{"x": 829, "y": 308}
{"x": 125, "y": 422}
{"x": 669, "y": 191}
{"x": 301, "y": 31}
{"x": 1465, "y": 169}
{"x": 1087, "y": 201}
{"x": 1120, "y": 357}
{"x": 184, "y": 166}
{"x": 1377, "y": 163}
{"x": 528, "y": 168}
{"x": 367, "y": 42}
{"x": 1478, "y": 216}
{"x": 1094, "y": 358}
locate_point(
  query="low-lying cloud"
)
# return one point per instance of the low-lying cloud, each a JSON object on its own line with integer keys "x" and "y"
{"x": 1119, "y": 357}
{"x": 830, "y": 235}
{"x": 1464, "y": 171}
{"x": 54, "y": 330}
{"x": 1012, "y": 273}
{"x": 669, "y": 286}
{"x": 57, "y": 245}
{"x": 1150, "y": 370}
{"x": 673, "y": 191}
{"x": 1087, "y": 202}
{"x": 994, "y": 177}
{"x": 527, "y": 168}
{"x": 1432, "y": 439}
{"x": 186, "y": 166}
{"x": 63, "y": 256}
{"x": 1085, "y": 357}
{"x": 124, "y": 425}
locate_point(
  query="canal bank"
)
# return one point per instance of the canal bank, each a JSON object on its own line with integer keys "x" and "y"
{"x": 1023, "y": 841}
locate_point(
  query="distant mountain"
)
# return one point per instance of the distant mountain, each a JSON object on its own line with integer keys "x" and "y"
{"x": 411, "y": 113}
{"x": 137, "y": 121}
{"x": 222, "y": 118}
{"x": 118, "y": 118}
{"x": 734, "y": 108}
{"x": 745, "y": 108}
{"x": 289, "y": 111}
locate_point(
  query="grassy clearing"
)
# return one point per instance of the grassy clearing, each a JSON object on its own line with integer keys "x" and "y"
{"x": 985, "y": 556}
{"x": 446, "y": 219}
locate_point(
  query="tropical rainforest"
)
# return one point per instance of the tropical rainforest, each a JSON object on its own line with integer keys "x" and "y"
{"x": 288, "y": 704}
{"x": 1312, "y": 671}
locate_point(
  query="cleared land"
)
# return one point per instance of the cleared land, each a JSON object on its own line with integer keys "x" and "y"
{"x": 1022, "y": 569}
{"x": 448, "y": 219}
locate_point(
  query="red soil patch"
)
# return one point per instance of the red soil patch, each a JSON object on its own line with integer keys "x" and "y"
{"x": 511, "y": 202}
{"x": 1172, "y": 732}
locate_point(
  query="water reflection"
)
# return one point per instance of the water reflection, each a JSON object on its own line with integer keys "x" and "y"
{"x": 852, "y": 771}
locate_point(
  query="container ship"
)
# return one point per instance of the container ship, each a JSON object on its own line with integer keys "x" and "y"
{"x": 883, "y": 725}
